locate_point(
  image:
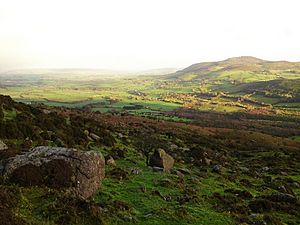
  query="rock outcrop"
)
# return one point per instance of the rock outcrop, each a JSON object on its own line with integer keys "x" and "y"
{"x": 161, "y": 159}
{"x": 78, "y": 173}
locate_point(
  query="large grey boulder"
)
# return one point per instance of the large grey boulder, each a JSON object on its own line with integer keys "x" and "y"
{"x": 161, "y": 159}
{"x": 3, "y": 146}
{"x": 78, "y": 173}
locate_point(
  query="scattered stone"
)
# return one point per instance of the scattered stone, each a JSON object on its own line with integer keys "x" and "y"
{"x": 3, "y": 146}
{"x": 184, "y": 149}
{"x": 46, "y": 111}
{"x": 127, "y": 218}
{"x": 136, "y": 171}
{"x": 217, "y": 168}
{"x": 295, "y": 185}
{"x": 78, "y": 173}
{"x": 207, "y": 161}
{"x": 284, "y": 173}
{"x": 157, "y": 169}
{"x": 173, "y": 147}
{"x": 161, "y": 159}
{"x": 265, "y": 169}
{"x": 110, "y": 161}
{"x": 95, "y": 137}
{"x": 282, "y": 188}
{"x": 120, "y": 135}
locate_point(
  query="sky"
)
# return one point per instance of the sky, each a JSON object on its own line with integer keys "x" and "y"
{"x": 144, "y": 34}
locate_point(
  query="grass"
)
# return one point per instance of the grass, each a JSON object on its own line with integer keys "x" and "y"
{"x": 151, "y": 208}
{"x": 296, "y": 138}
{"x": 10, "y": 114}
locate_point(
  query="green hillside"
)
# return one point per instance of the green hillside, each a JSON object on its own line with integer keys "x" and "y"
{"x": 241, "y": 69}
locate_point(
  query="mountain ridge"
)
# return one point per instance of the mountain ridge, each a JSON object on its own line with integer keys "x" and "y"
{"x": 242, "y": 63}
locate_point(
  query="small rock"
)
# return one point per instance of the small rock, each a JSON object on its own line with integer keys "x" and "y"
{"x": 111, "y": 162}
{"x": 94, "y": 136}
{"x": 282, "y": 188}
{"x": 217, "y": 168}
{"x": 136, "y": 171}
{"x": 173, "y": 147}
{"x": 207, "y": 161}
{"x": 184, "y": 149}
{"x": 265, "y": 169}
{"x": 3, "y": 146}
{"x": 161, "y": 159}
{"x": 295, "y": 185}
{"x": 157, "y": 169}
{"x": 128, "y": 218}
{"x": 46, "y": 111}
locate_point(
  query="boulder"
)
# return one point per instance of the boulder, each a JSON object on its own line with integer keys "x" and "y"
{"x": 161, "y": 159}
{"x": 78, "y": 173}
{"x": 3, "y": 146}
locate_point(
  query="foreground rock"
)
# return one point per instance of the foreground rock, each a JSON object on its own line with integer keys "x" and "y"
{"x": 161, "y": 159}
{"x": 79, "y": 173}
{"x": 3, "y": 146}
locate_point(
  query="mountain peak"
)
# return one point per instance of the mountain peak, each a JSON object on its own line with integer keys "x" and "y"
{"x": 244, "y": 59}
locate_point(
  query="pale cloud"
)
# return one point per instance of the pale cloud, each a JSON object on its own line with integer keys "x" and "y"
{"x": 142, "y": 34}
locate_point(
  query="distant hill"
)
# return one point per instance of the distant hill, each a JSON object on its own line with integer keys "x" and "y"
{"x": 86, "y": 71}
{"x": 242, "y": 69}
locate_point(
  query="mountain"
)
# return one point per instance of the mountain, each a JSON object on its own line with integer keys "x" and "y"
{"x": 243, "y": 69}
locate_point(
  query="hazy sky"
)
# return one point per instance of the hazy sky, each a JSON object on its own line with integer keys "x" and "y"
{"x": 143, "y": 34}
